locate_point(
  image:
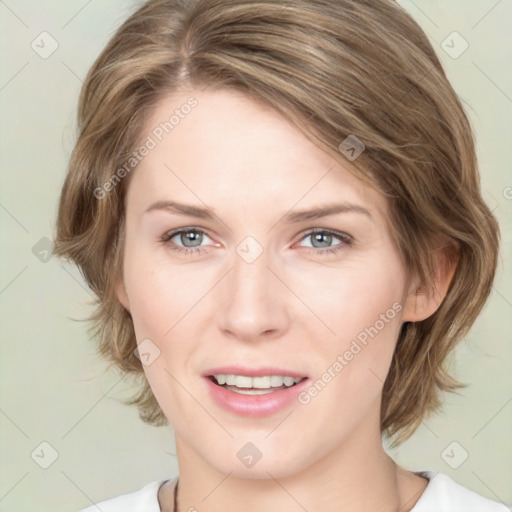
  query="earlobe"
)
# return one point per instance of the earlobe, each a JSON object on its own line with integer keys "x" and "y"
{"x": 422, "y": 300}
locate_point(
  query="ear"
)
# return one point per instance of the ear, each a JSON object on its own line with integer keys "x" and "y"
{"x": 121, "y": 294}
{"x": 422, "y": 301}
{"x": 118, "y": 278}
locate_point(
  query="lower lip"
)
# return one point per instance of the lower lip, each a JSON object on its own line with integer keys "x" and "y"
{"x": 254, "y": 406}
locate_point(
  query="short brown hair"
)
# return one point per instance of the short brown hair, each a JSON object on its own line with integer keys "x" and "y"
{"x": 351, "y": 67}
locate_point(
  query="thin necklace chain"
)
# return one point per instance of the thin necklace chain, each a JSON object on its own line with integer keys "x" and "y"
{"x": 175, "y": 506}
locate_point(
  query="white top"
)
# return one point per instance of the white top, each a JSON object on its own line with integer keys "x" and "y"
{"x": 442, "y": 494}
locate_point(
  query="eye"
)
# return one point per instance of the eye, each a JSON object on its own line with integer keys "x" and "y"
{"x": 322, "y": 239}
{"x": 190, "y": 239}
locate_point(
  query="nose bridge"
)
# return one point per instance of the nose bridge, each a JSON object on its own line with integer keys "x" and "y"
{"x": 250, "y": 275}
{"x": 255, "y": 304}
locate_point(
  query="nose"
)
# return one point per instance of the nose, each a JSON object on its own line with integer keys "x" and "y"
{"x": 254, "y": 303}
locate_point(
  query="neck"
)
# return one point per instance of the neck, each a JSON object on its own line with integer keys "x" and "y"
{"x": 357, "y": 476}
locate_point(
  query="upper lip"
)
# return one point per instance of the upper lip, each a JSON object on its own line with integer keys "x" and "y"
{"x": 261, "y": 371}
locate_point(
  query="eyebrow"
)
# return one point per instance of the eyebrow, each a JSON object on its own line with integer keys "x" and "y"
{"x": 294, "y": 216}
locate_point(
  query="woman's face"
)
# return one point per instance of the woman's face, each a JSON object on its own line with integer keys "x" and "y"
{"x": 245, "y": 277}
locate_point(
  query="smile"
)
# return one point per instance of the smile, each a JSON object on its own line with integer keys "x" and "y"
{"x": 245, "y": 385}
{"x": 254, "y": 393}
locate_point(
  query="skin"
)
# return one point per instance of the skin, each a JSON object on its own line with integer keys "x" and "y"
{"x": 291, "y": 308}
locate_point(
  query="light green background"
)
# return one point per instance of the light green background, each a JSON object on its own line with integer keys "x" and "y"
{"x": 52, "y": 387}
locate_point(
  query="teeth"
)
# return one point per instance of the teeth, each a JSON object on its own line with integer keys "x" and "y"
{"x": 221, "y": 379}
{"x": 266, "y": 382}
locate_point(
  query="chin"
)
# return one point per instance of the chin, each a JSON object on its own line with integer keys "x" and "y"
{"x": 258, "y": 460}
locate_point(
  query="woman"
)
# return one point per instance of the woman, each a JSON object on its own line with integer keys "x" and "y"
{"x": 278, "y": 207}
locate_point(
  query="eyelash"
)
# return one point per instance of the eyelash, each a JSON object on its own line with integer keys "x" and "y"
{"x": 346, "y": 241}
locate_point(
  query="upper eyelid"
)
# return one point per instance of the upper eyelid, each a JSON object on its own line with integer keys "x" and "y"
{"x": 173, "y": 232}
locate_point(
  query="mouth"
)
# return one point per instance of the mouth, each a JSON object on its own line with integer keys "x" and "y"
{"x": 261, "y": 385}
{"x": 254, "y": 392}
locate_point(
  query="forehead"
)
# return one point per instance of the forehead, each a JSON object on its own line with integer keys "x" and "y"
{"x": 230, "y": 150}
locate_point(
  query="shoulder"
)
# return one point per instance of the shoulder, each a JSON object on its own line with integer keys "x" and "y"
{"x": 143, "y": 500}
{"x": 445, "y": 495}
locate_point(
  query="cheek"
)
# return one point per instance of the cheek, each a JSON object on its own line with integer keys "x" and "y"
{"x": 167, "y": 308}
{"x": 161, "y": 294}
{"x": 349, "y": 383}
{"x": 354, "y": 298}
{"x": 164, "y": 310}
{"x": 362, "y": 308}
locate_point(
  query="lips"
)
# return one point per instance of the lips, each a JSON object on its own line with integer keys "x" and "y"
{"x": 254, "y": 392}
